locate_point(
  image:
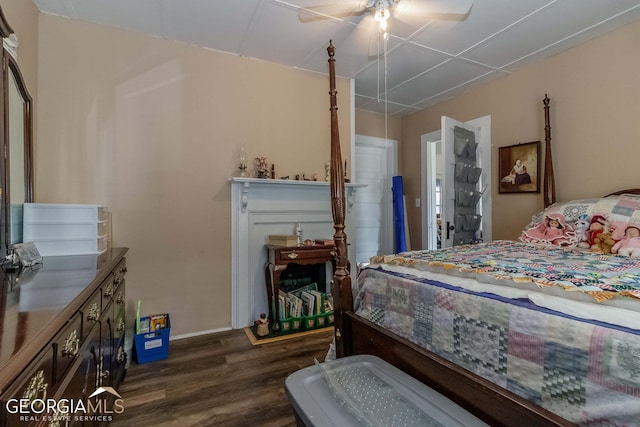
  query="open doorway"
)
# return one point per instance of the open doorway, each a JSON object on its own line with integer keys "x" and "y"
{"x": 443, "y": 222}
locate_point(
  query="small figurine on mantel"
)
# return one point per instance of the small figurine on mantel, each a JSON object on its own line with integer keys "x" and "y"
{"x": 262, "y": 325}
{"x": 261, "y": 167}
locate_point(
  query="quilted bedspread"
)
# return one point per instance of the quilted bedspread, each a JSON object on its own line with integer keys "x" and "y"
{"x": 601, "y": 276}
{"x": 586, "y": 372}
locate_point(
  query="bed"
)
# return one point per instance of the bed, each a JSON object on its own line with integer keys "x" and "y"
{"x": 542, "y": 331}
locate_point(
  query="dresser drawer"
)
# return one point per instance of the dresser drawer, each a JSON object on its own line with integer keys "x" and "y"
{"x": 66, "y": 346}
{"x": 34, "y": 385}
{"x": 293, "y": 255}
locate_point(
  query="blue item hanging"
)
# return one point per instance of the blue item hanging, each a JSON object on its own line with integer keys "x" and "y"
{"x": 398, "y": 214}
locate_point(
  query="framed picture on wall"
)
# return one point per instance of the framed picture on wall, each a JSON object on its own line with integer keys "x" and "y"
{"x": 519, "y": 168}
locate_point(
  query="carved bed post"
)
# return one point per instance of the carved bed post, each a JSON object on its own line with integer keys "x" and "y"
{"x": 549, "y": 182}
{"x": 341, "y": 287}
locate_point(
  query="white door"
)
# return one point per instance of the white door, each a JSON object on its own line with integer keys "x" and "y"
{"x": 438, "y": 176}
{"x": 375, "y": 166}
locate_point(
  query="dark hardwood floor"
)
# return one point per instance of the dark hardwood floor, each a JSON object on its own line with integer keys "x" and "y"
{"x": 218, "y": 380}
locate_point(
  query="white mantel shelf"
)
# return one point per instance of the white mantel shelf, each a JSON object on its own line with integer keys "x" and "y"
{"x": 294, "y": 184}
{"x": 260, "y": 207}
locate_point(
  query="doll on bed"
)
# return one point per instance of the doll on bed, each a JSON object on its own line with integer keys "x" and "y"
{"x": 629, "y": 245}
{"x": 554, "y": 230}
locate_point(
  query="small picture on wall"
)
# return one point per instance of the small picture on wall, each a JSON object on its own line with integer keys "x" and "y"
{"x": 519, "y": 168}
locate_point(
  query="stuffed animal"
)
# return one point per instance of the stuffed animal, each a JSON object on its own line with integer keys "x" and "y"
{"x": 580, "y": 226}
{"x": 598, "y": 225}
{"x": 630, "y": 243}
{"x": 603, "y": 243}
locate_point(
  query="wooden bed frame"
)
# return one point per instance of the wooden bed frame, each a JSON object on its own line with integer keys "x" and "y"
{"x": 355, "y": 335}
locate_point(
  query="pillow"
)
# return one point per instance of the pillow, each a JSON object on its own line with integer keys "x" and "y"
{"x": 586, "y": 219}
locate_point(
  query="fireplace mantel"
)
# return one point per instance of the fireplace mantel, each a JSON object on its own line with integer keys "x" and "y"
{"x": 260, "y": 207}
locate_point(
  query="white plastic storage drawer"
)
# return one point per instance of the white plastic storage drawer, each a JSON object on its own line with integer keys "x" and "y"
{"x": 70, "y": 213}
{"x": 66, "y": 229}
{"x": 51, "y": 230}
{"x": 56, "y": 247}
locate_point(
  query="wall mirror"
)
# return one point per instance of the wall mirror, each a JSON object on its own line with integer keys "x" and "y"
{"x": 16, "y": 132}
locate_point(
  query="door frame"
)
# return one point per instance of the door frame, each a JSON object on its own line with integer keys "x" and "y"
{"x": 391, "y": 148}
{"x": 484, "y": 140}
{"x": 428, "y": 158}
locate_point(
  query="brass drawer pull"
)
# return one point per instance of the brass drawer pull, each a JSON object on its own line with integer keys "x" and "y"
{"x": 122, "y": 355}
{"x": 94, "y": 312}
{"x": 121, "y": 325}
{"x": 108, "y": 292}
{"x": 71, "y": 345}
{"x": 120, "y": 298}
{"x": 293, "y": 255}
{"x": 37, "y": 389}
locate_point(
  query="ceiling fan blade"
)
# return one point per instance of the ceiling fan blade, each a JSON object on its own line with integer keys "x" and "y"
{"x": 332, "y": 10}
{"x": 456, "y": 10}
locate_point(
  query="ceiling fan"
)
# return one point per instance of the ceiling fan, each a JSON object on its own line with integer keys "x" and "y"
{"x": 384, "y": 9}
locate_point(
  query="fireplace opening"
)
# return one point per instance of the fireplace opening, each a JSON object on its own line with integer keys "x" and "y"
{"x": 296, "y": 276}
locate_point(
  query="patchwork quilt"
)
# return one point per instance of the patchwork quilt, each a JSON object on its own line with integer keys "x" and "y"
{"x": 586, "y": 372}
{"x": 603, "y": 277}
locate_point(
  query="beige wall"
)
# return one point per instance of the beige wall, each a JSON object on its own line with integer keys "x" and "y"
{"x": 369, "y": 123}
{"x": 23, "y": 19}
{"x": 595, "y": 110}
{"x": 151, "y": 129}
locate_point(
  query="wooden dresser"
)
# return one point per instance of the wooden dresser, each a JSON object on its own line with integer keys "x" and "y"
{"x": 62, "y": 339}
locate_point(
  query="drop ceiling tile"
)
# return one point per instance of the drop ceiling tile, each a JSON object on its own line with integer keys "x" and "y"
{"x": 549, "y": 26}
{"x": 484, "y": 20}
{"x": 450, "y": 75}
{"x": 144, "y": 16}
{"x": 219, "y": 25}
{"x": 450, "y": 93}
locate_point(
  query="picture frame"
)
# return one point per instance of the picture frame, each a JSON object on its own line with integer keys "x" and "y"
{"x": 519, "y": 168}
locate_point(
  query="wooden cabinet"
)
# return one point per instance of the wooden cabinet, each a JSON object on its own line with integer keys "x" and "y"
{"x": 65, "y": 352}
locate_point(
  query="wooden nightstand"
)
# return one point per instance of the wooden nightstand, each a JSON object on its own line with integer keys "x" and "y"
{"x": 279, "y": 258}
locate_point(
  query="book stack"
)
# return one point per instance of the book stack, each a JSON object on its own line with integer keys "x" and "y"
{"x": 304, "y": 308}
{"x": 283, "y": 239}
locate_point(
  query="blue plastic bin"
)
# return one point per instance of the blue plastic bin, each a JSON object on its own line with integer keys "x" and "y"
{"x": 152, "y": 346}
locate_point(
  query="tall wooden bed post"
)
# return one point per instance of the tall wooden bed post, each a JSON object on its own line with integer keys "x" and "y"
{"x": 341, "y": 287}
{"x": 549, "y": 183}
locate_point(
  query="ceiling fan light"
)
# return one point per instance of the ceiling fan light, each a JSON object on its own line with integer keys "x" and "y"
{"x": 382, "y": 14}
{"x": 383, "y": 25}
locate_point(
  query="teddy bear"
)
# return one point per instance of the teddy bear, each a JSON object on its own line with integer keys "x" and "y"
{"x": 603, "y": 243}
{"x": 598, "y": 225}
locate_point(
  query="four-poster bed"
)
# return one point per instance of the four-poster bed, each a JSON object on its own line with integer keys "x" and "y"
{"x": 499, "y": 394}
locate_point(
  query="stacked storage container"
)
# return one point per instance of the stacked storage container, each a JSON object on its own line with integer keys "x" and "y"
{"x": 66, "y": 229}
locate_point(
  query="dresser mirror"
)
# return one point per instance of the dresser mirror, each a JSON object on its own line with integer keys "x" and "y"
{"x": 16, "y": 124}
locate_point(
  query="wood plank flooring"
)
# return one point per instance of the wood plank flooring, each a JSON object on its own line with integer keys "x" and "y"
{"x": 218, "y": 380}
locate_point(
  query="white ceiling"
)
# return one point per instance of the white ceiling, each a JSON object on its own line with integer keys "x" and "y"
{"x": 427, "y": 60}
